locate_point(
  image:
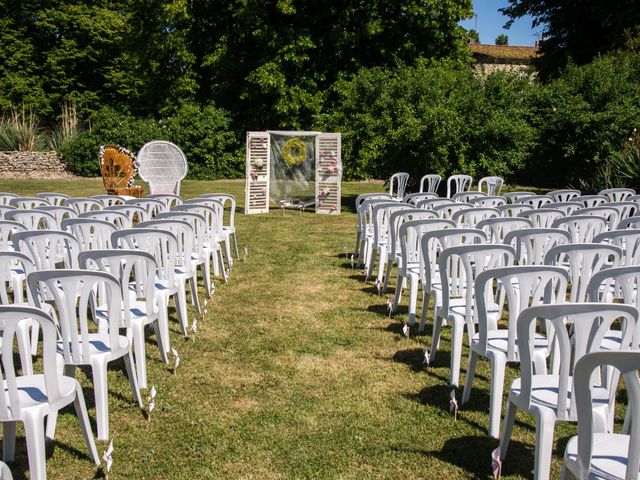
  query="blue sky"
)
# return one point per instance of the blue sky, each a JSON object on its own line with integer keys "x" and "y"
{"x": 491, "y": 22}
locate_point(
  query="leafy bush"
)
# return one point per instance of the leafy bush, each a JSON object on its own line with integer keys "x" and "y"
{"x": 201, "y": 132}
{"x": 434, "y": 117}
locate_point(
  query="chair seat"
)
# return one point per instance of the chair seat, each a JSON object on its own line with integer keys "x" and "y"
{"x": 458, "y": 307}
{"x": 498, "y": 340}
{"x": 98, "y": 344}
{"x": 612, "y": 340}
{"x": 32, "y": 390}
{"x": 609, "y": 459}
{"x": 544, "y": 392}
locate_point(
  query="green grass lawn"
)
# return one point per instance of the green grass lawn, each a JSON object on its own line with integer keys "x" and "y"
{"x": 296, "y": 372}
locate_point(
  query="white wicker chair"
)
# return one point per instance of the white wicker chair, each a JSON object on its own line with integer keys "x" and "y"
{"x": 163, "y": 166}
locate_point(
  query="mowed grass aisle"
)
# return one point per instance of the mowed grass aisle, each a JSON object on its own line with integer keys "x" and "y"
{"x": 296, "y": 372}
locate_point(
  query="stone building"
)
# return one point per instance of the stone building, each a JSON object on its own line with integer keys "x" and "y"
{"x": 489, "y": 58}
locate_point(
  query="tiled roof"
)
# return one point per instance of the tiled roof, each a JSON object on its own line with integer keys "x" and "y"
{"x": 510, "y": 54}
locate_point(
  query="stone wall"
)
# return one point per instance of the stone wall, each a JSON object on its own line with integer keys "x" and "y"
{"x": 32, "y": 165}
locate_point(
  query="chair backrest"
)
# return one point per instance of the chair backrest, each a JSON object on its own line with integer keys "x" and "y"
{"x": 617, "y": 194}
{"x": 198, "y": 224}
{"x": 628, "y": 240}
{"x": 381, "y": 218}
{"x": 447, "y": 210}
{"x": 4, "y": 209}
{"x": 611, "y": 214}
{"x": 627, "y": 363}
{"x": 459, "y": 268}
{"x": 163, "y": 166}
{"x": 513, "y": 209}
{"x": 497, "y": 228}
{"x": 216, "y": 204}
{"x": 583, "y": 260}
{"x": 625, "y": 209}
{"x": 60, "y": 213}
{"x": 582, "y": 228}
{"x": 162, "y": 244}
{"x": 183, "y": 233}
{"x": 136, "y": 213}
{"x": 7, "y": 229}
{"x": 91, "y": 234}
{"x": 110, "y": 200}
{"x": 493, "y": 185}
{"x": 48, "y": 248}
{"x": 364, "y": 209}
{"x": 467, "y": 197}
{"x": 118, "y": 168}
{"x": 531, "y": 244}
{"x": 74, "y": 293}
{"x": 168, "y": 199}
{"x": 153, "y": 207}
{"x": 470, "y": 217}
{"x": 589, "y": 201}
{"x": 414, "y": 198}
{"x": 398, "y": 218}
{"x": 135, "y": 270}
{"x": 10, "y": 402}
{"x": 525, "y": 286}
{"x": 458, "y": 183}
{"x": 542, "y": 217}
{"x": 513, "y": 197}
{"x": 5, "y": 198}
{"x": 567, "y": 208}
{"x": 81, "y": 205}
{"x": 55, "y": 199}
{"x": 564, "y": 195}
{"x": 577, "y": 329}
{"x": 118, "y": 218}
{"x": 10, "y": 262}
{"x": 224, "y": 199}
{"x": 431, "y": 203}
{"x": 432, "y": 181}
{"x": 28, "y": 203}
{"x": 398, "y": 184}
{"x": 409, "y": 237}
{"x": 488, "y": 201}
{"x": 370, "y": 196}
{"x": 33, "y": 219}
{"x": 536, "y": 201}
{"x": 616, "y": 283}
{"x": 631, "y": 222}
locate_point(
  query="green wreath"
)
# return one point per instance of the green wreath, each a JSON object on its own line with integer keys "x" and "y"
{"x": 294, "y": 152}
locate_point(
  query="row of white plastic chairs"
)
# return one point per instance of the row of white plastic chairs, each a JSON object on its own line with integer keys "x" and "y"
{"x": 578, "y": 258}
{"x": 130, "y": 275}
{"x": 430, "y": 183}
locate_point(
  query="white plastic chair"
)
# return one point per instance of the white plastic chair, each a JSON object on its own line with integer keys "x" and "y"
{"x": 547, "y": 397}
{"x": 31, "y": 398}
{"x": 229, "y": 227}
{"x": 380, "y": 241}
{"x": 617, "y": 194}
{"x": 490, "y": 202}
{"x": 55, "y": 199}
{"x": 513, "y": 197}
{"x": 582, "y": 228}
{"x": 493, "y": 185}
{"x": 594, "y": 453}
{"x": 110, "y": 200}
{"x": 513, "y": 209}
{"x": 470, "y": 217}
{"x": 628, "y": 240}
{"x": 49, "y": 249}
{"x": 432, "y": 181}
{"x": 431, "y": 203}
{"x": 118, "y": 218}
{"x": 168, "y": 199}
{"x": 91, "y": 234}
{"x": 459, "y": 269}
{"x": 446, "y": 211}
{"x": 582, "y": 260}
{"x": 458, "y": 183}
{"x": 73, "y": 292}
{"x": 531, "y": 244}
{"x": 398, "y": 184}
{"x": 631, "y": 222}
{"x": 611, "y": 214}
{"x": 542, "y": 217}
{"x": 414, "y": 198}
{"x": 536, "y": 201}
{"x": 4, "y": 209}
{"x": 136, "y": 213}
{"x": 163, "y": 166}
{"x": 153, "y": 207}
{"x": 567, "y": 208}
{"x": 362, "y": 210}
{"x": 136, "y": 272}
{"x": 60, "y": 213}
{"x": 7, "y": 229}
{"x": 218, "y": 233}
{"x": 564, "y": 195}
{"x": 589, "y": 201}
{"x": 33, "y": 219}
{"x": 411, "y": 266}
{"x": 467, "y": 197}
{"x": 5, "y": 198}
{"x": 525, "y": 286}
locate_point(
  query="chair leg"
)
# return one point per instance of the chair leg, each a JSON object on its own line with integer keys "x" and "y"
{"x": 507, "y": 427}
{"x": 163, "y": 328}
{"x": 223, "y": 270}
{"x": 159, "y": 339}
{"x": 137, "y": 331}
{"x": 457, "y": 335}
{"x": 85, "y": 426}
{"x": 545, "y": 426}
{"x": 413, "y": 299}
{"x": 398, "y": 294}
{"x": 24, "y": 347}
{"x": 206, "y": 277}
{"x": 8, "y": 441}
{"x": 195, "y": 301}
{"x": 471, "y": 372}
{"x": 34, "y": 433}
{"x": 133, "y": 378}
{"x": 181, "y": 307}
{"x": 425, "y": 304}
{"x": 498, "y": 366}
{"x": 101, "y": 396}
{"x": 387, "y": 275}
{"x": 435, "y": 340}
{"x": 356, "y": 249}
{"x": 235, "y": 245}
{"x": 371, "y": 265}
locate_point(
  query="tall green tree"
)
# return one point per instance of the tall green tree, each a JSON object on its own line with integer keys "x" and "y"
{"x": 502, "y": 39}
{"x": 272, "y": 61}
{"x": 577, "y": 30}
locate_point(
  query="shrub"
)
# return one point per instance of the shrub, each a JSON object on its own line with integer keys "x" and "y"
{"x": 434, "y": 117}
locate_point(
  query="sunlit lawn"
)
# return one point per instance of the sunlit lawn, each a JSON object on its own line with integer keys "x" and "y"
{"x": 296, "y": 372}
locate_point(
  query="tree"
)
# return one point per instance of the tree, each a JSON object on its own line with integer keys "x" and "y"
{"x": 272, "y": 61}
{"x": 474, "y": 36}
{"x": 577, "y": 30}
{"x": 502, "y": 39}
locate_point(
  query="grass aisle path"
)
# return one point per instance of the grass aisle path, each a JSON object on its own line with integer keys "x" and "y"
{"x": 297, "y": 372}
